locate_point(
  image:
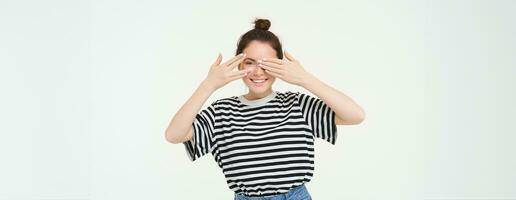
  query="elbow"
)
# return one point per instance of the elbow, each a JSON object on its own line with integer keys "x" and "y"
{"x": 352, "y": 117}
{"x": 360, "y": 116}
{"x": 169, "y": 137}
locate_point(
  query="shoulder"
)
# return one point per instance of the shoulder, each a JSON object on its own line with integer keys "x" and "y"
{"x": 287, "y": 93}
{"x": 288, "y": 96}
{"x": 226, "y": 101}
{"x": 296, "y": 94}
{"x": 304, "y": 98}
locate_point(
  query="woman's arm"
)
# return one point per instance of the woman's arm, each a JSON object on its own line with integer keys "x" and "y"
{"x": 180, "y": 127}
{"x": 291, "y": 71}
{"x": 348, "y": 112}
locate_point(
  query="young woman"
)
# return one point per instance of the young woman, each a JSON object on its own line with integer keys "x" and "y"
{"x": 263, "y": 140}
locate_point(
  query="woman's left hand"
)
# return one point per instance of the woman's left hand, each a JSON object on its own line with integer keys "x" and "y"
{"x": 289, "y": 70}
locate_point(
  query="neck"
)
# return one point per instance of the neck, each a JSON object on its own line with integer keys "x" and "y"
{"x": 252, "y": 95}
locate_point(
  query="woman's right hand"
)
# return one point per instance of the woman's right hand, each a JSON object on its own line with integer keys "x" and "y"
{"x": 221, "y": 74}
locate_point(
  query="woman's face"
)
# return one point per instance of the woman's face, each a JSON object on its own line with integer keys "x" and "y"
{"x": 258, "y": 81}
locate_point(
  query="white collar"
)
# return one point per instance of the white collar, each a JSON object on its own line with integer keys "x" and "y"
{"x": 258, "y": 102}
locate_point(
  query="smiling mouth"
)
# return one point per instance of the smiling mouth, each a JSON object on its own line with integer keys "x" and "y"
{"x": 259, "y": 80}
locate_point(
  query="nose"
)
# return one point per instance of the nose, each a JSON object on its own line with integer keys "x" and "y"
{"x": 258, "y": 71}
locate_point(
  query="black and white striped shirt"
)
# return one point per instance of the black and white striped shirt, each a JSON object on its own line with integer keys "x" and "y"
{"x": 264, "y": 146}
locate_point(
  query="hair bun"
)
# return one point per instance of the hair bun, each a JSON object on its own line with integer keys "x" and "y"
{"x": 263, "y": 24}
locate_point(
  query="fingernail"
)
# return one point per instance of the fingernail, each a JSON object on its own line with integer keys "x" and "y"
{"x": 260, "y": 61}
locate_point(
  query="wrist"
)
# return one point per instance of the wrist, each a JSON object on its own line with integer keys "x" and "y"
{"x": 308, "y": 80}
{"x": 207, "y": 87}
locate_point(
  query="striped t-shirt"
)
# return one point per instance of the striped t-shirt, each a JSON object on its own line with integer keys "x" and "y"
{"x": 264, "y": 146}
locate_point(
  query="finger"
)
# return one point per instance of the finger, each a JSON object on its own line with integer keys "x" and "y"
{"x": 277, "y": 70}
{"x": 274, "y": 74}
{"x": 236, "y": 63}
{"x": 270, "y": 64}
{"x": 230, "y": 61}
{"x": 237, "y": 76}
{"x": 239, "y": 72}
{"x": 274, "y": 60}
{"x": 289, "y": 57}
{"x": 219, "y": 59}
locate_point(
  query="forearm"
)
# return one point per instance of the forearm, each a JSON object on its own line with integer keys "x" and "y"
{"x": 182, "y": 121}
{"x": 345, "y": 108}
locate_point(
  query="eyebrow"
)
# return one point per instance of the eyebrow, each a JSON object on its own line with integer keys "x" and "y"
{"x": 250, "y": 59}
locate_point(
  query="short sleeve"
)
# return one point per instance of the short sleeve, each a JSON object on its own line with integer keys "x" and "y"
{"x": 319, "y": 117}
{"x": 202, "y": 140}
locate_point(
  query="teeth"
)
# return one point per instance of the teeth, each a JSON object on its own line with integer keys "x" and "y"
{"x": 258, "y": 81}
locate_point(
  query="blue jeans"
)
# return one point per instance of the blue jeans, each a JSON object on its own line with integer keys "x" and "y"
{"x": 297, "y": 193}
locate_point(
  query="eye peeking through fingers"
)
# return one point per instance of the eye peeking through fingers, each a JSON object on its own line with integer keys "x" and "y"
{"x": 249, "y": 64}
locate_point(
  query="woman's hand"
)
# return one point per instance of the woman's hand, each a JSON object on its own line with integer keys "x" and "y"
{"x": 221, "y": 74}
{"x": 289, "y": 70}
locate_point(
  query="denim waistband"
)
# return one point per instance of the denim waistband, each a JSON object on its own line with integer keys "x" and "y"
{"x": 292, "y": 192}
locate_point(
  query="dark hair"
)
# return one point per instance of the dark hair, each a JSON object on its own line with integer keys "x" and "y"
{"x": 261, "y": 33}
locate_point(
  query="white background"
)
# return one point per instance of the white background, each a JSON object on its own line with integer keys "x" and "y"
{"x": 88, "y": 88}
